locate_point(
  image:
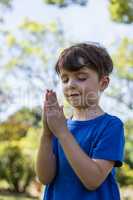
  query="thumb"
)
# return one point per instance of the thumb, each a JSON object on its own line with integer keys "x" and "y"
{"x": 61, "y": 107}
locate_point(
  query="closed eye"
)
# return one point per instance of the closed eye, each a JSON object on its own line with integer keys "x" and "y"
{"x": 80, "y": 79}
{"x": 65, "y": 81}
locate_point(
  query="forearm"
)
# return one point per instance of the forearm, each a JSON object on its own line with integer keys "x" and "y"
{"x": 84, "y": 167}
{"x": 46, "y": 160}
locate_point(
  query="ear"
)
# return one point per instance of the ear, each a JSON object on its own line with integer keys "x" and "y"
{"x": 104, "y": 82}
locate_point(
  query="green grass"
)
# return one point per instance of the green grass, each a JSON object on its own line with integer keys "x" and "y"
{"x": 4, "y": 195}
{"x": 13, "y": 197}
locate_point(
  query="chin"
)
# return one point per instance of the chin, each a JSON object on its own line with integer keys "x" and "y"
{"x": 77, "y": 106}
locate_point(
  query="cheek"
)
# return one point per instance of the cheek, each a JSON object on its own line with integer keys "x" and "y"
{"x": 64, "y": 90}
{"x": 90, "y": 92}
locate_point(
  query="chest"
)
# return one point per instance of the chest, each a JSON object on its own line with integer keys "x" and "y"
{"x": 86, "y": 138}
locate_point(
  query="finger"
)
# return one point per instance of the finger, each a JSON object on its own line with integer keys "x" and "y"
{"x": 54, "y": 113}
{"x": 50, "y": 106}
{"x": 55, "y": 96}
{"x": 46, "y": 94}
{"x": 61, "y": 108}
{"x": 44, "y": 116}
{"x": 54, "y": 108}
{"x": 52, "y": 98}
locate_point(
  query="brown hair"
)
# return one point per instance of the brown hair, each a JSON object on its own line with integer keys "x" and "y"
{"x": 89, "y": 54}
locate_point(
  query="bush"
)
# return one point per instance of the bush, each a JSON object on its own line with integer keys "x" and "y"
{"x": 16, "y": 168}
{"x": 125, "y": 175}
{"x": 18, "y": 124}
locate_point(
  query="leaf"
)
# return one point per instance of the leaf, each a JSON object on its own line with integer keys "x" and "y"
{"x": 32, "y": 26}
{"x": 10, "y": 40}
{"x": 123, "y": 59}
{"x": 121, "y": 11}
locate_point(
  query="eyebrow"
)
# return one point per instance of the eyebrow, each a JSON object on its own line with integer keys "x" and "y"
{"x": 76, "y": 72}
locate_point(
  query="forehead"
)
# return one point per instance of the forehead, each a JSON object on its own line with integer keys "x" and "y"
{"x": 67, "y": 72}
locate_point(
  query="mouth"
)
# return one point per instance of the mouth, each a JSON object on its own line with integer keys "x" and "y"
{"x": 73, "y": 95}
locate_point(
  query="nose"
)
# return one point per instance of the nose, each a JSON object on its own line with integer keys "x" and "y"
{"x": 72, "y": 83}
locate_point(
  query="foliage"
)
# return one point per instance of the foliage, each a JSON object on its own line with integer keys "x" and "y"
{"x": 14, "y": 197}
{"x": 18, "y": 124}
{"x": 123, "y": 59}
{"x": 129, "y": 143}
{"x": 18, "y": 148}
{"x": 6, "y": 3}
{"x": 125, "y": 175}
{"x": 32, "y": 43}
{"x": 27, "y": 60}
{"x": 121, "y": 89}
{"x": 65, "y": 3}
{"x": 16, "y": 168}
{"x": 29, "y": 54}
{"x": 121, "y": 11}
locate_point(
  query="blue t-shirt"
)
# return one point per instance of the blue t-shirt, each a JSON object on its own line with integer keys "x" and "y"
{"x": 100, "y": 138}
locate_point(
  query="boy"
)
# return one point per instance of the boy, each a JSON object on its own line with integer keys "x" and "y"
{"x": 77, "y": 156}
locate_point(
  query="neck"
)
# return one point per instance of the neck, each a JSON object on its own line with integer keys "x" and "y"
{"x": 87, "y": 113}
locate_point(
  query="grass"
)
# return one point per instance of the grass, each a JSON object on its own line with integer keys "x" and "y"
{"x": 126, "y": 193}
{"x": 12, "y": 197}
{"x": 8, "y": 196}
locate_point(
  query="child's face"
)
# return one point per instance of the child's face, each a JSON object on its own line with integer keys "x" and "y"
{"x": 81, "y": 88}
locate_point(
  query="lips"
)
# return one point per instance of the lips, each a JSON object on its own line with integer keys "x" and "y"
{"x": 74, "y": 95}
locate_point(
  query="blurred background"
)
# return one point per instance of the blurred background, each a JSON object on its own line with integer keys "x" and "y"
{"x": 32, "y": 34}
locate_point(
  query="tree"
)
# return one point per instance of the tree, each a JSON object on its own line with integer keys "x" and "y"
{"x": 121, "y": 91}
{"x": 29, "y": 60}
{"x": 5, "y": 5}
{"x": 16, "y": 168}
{"x": 18, "y": 124}
{"x": 123, "y": 62}
{"x": 65, "y": 3}
{"x": 121, "y": 11}
{"x": 19, "y": 137}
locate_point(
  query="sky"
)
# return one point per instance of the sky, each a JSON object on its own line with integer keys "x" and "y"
{"x": 89, "y": 23}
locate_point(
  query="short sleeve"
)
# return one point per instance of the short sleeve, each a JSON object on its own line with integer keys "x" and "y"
{"x": 110, "y": 146}
{"x": 55, "y": 145}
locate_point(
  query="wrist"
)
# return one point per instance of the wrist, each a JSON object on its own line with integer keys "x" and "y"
{"x": 46, "y": 138}
{"x": 63, "y": 135}
{"x": 46, "y": 131}
{"x": 46, "y": 135}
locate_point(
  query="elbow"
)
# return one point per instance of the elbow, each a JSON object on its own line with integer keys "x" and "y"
{"x": 44, "y": 181}
{"x": 45, "y": 177}
{"x": 92, "y": 187}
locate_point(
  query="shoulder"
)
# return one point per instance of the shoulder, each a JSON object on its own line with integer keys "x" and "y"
{"x": 114, "y": 128}
{"x": 111, "y": 126}
{"x": 109, "y": 122}
{"x": 112, "y": 119}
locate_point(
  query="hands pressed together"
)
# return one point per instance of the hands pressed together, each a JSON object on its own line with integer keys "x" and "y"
{"x": 54, "y": 121}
